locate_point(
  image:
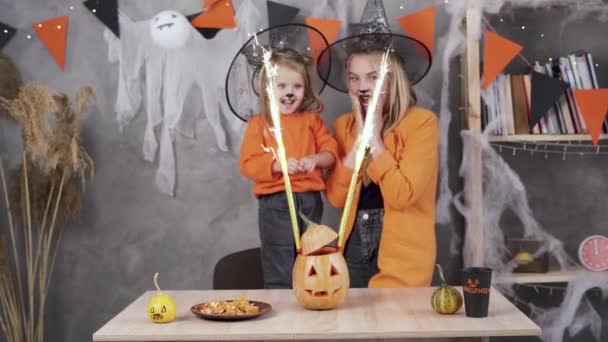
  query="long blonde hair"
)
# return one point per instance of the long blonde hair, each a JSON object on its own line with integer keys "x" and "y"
{"x": 289, "y": 58}
{"x": 401, "y": 95}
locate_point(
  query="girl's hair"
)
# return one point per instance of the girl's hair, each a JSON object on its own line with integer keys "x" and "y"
{"x": 401, "y": 96}
{"x": 289, "y": 58}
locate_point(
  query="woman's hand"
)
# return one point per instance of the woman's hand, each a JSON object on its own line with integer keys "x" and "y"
{"x": 376, "y": 142}
{"x": 357, "y": 111}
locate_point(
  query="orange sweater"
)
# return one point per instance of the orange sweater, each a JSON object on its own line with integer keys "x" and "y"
{"x": 407, "y": 175}
{"x": 303, "y": 134}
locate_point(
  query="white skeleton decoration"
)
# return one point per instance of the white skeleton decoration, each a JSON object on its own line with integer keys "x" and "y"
{"x": 175, "y": 58}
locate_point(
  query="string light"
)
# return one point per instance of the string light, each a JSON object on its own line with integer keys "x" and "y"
{"x": 523, "y": 27}
{"x": 59, "y": 27}
{"x": 29, "y": 37}
{"x": 551, "y": 148}
{"x": 542, "y": 35}
{"x": 501, "y": 20}
{"x": 446, "y": 1}
{"x": 401, "y": 7}
{"x": 5, "y": 31}
{"x": 94, "y": 10}
{"x": 39, "y": 25}
{"x": 71, "y": 8}
{"x": 596, "y": 65}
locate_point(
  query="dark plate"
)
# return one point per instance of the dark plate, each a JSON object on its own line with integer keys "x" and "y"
{"x": 264, "y": 308}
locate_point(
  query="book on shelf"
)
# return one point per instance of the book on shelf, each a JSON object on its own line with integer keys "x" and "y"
{"x": 507, "y": 101}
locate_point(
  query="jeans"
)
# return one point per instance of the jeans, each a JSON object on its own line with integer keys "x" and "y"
{"x": 276, "y": 234}
{"x": 361, "y": 251}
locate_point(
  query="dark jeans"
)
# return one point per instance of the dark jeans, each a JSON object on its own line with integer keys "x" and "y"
{"x": 361, "y": 252}
{"x": 278, "y": 245}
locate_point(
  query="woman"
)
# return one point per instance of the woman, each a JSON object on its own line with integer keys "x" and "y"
{"x": 391, "y": 229}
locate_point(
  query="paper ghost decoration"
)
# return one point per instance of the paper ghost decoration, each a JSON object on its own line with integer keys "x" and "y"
{"x": 170, "y": 30}
{"x": 169, "y": 75}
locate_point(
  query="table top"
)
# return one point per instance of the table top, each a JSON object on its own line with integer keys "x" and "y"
{"x": 365, "y": 313}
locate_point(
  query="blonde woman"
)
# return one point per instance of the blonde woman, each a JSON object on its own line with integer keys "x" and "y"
{"x": 391, "y": 229}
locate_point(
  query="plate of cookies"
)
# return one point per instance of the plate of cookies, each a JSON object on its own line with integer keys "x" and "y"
{"x": 231, "y": 310}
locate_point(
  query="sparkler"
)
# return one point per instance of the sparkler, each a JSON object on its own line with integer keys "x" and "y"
{"x": 363, "y": 147}
{"x": 271, "y": 72}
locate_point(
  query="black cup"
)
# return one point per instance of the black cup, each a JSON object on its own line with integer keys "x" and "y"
{"x": 476, "y": 283}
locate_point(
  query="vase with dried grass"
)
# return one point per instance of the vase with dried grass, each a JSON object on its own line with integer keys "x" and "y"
{"x": 45, "y": 197}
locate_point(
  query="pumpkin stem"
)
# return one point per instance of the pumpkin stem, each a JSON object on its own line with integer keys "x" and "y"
{"x": 306, "y": 220}
{"x": 441, "y": 274}
{"x": 156, "y": 282}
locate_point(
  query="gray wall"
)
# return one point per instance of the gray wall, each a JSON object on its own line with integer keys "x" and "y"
{"x": 129, "y": 230}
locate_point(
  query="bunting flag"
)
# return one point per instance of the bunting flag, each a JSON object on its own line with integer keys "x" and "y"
{"x": 219, "y": 15}
{"x": 107, "y": 12}
{"x": 279, "y": 14}
{"x": 497, "y": 54}
{"x": 208, "y": 33}
{"x": 53, "y": 33}
{"x": 328, "y": 27}
{"x": 545, "y": 91}
{"x": 593, "y": 105}
{"x": 6, "y": 34}
{"x": 421, "y": 26}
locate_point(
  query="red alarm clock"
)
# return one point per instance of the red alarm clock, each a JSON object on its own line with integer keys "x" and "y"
{"x": 593, "y": 253}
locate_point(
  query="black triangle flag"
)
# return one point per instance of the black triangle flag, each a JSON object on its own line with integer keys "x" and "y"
{"x": 208, "y": 33}
{"x": 279, "y": 14}
{"x": 107, "y": 12}
{"x": 6, "y": 34}
{"x": 544, "y": 93}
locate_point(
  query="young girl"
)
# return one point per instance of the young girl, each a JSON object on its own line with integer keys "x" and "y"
{"x": 391, "y": 229}
{"x": 309, "y": 147}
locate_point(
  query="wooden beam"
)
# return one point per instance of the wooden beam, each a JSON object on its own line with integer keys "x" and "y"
{"x": 473, "y": 253}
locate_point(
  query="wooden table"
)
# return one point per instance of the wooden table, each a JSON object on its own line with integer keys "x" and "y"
{"x": 365, "y": 314}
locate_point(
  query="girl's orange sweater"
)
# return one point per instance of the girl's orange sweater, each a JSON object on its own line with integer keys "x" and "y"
{"x": 303, "y": 134}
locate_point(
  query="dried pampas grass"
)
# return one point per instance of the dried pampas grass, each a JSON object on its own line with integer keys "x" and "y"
{"x": 46, "y": 195}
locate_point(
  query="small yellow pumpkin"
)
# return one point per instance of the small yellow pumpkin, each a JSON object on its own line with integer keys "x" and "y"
{"x": 446, "y": 299}
{"x": 161, "y": 307}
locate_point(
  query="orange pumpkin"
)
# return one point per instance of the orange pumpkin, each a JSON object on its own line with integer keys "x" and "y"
{"x": 321, "y": 280}
{"x": 320, "y": 275}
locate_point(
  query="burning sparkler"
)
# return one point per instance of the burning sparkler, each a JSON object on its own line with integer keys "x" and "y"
{"x": 363, "y": 147}
{"x": 271, "y": 72}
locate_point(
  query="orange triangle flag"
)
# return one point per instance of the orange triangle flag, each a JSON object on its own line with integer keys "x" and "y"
{"x": 209, "y": 3}
{"x": 421, "y": 26}
{"x": 328, "y": 27}
{"x": 593, "y": 105}
{"x": 497, "y": 54}
{"x": 219, "y": 14}
{"x": 53, "y": 33}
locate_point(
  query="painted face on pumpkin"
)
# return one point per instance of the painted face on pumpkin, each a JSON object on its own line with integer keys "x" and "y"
{"x": 161, "y": 309}
{"x": 170, "y": 29}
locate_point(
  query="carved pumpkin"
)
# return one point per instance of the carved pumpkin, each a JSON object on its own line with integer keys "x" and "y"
{"x": 320, "y": 275}
{"x": 320, "y": 280}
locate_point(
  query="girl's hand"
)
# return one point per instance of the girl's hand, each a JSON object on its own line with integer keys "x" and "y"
{"x": 292, "y": 166}
{"x": 308, "y": 164}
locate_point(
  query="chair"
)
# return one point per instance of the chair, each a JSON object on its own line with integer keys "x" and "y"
{"x": 241, "y": 270}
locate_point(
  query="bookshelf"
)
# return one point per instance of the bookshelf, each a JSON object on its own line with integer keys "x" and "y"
{"x": 473, "y": 250}
{"x": 554, "y": 276}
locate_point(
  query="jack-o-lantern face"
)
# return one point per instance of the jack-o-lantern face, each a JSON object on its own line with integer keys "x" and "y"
{"x": 321, "y": 280}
